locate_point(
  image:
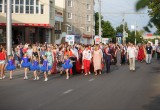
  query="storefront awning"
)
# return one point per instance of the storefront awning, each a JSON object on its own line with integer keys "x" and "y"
{"x": 28, "y": 24}
{"x": 87, "y": 36}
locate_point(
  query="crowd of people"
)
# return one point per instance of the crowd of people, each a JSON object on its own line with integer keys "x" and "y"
{"x": 78, "y": 58}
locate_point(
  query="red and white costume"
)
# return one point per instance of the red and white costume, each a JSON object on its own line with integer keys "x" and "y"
{"x": 86, "y": 60}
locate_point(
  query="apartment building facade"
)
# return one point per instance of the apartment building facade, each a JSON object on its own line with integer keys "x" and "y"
{"x": 59, "y": 19}
{"x": 32, "y": 21}
{"x": 79, "y": 20}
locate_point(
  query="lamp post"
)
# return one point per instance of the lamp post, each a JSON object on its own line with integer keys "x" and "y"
{"x": 9, "y": 28}
{"x": 100, "y": 27}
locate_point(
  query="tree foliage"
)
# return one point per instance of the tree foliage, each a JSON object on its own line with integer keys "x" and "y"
{"x": 154, "y": 12}
{"x": 107, "y": 29}
{"x": 131, "y": 34}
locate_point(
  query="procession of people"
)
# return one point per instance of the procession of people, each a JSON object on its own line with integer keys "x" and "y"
{"x": 50, "y": 59}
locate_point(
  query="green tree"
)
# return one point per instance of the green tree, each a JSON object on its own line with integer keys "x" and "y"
{"x": 154, "y": 12}
{"x": 131, "y": 34}
{"x": 107, "y": 28}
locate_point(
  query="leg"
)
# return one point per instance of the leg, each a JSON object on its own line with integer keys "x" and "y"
{"x": 2, "y": 71}
{"x": 25, "y": 72}
{"x": 67, "y": 74}
{"x": 85, "y": 66}
{"x": 96, "y": 72}
{"x": 10, "y": 77}
{"x": 147, "y": 58}
{"x": 45, "y": 76}
{"x": 35, "y": 75}
{"x": 109, "y": 65}
{"x": 88, "y": 66}
{"x": 130, "y": 64}
{"x": 133, "y": 62}
{"x": 150, "y": 58}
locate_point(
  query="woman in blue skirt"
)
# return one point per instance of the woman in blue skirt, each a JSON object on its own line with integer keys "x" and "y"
{"x": 35, "y": 67}
{"x": 25, "y": 64}
{"x": 67, "y": 65}
{"x": 45, "y": 67}
{"x": 10, "y": 66}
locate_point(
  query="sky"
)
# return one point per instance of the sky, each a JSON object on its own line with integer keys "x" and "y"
{"x": 123, "y": 6}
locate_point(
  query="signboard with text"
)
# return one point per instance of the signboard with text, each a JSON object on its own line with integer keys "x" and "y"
{"x": 97, "y": 39}
{"x": 105, "y": 40}
{"x": 70, "y": 39}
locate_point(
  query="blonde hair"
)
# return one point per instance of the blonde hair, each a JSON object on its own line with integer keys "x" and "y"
{"x": 34, "y": 49}
{"x": 66, "y": 57}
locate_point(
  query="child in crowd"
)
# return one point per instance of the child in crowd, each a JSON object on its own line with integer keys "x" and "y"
{"x": 67, "y": 65}
{"x": 35, "y": 67}
{"x": 10, "y": 66}
{"x": 25, "y": 64}
{"x": 45, "y": 67}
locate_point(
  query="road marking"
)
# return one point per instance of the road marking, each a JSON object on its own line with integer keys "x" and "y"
{"x": 91, "y": 80}
{"x": 68, "y": 91}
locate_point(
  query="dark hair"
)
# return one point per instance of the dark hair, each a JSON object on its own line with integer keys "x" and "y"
{"x": 10, "y": 55}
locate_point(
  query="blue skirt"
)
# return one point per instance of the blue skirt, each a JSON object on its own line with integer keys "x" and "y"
{"x": 34, "y": 68}
{"x": 10, "y": 68}
{"x": 26, "y": 65}
{"x": 44, "y": 69}
{"x": 68, "y": 66}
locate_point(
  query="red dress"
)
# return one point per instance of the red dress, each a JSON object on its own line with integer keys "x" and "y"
{"x": 141, "y": 54}
{"x": 79, "y": 62}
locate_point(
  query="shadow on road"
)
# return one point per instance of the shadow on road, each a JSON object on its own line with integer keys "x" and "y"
{"x": 154, "y": 104}
{"x": 155, "y": 70}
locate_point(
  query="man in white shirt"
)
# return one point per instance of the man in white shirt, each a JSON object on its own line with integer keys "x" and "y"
{"x": 131, "y": 55}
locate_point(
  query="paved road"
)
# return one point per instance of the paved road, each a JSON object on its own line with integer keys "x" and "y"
{"x": 120, "y": 90}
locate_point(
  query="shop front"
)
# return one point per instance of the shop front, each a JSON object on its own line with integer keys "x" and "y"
{"x": 22, "y": 33}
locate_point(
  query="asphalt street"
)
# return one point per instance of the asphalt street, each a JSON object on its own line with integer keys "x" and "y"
{"x": 119, "y": 90}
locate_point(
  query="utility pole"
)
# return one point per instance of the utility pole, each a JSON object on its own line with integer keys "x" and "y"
{"x": 9, "y": 28}
{"x": 100, "y": 27}
{"x": 124, "y": 29}
{"x": 135, "y": 33}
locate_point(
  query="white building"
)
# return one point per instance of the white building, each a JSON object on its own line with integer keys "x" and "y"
{"x": 32, "y": 20}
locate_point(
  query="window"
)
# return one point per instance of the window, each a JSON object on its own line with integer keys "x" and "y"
{"x": 88, "y": 18}
{"x": 37, "y": 6}
{"x": 69, "y": 15}
{"x": 70, "y": 3}
{"x": 16, "y": 6}
{"x": 30, "y": 6}
{"x": 88, "y": 29}
{"x": 5, "y": 6}
{"x": 21, "y": 6}
{"x": 42, "y": 9}
{"x": 69, "y": 28}
{"x": 88, "y": 7}
{"x": 1, "y": 3}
